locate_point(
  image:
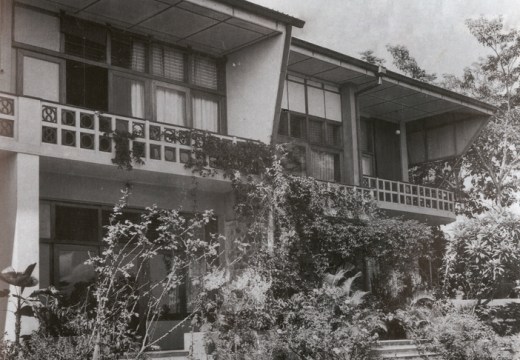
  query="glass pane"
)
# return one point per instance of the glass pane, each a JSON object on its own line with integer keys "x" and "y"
{"x": 297, "y": 127}
{"x": 367, "y": 164}
{"x": 332, "y": 106}
{"x": 296, "y": 96}
{"x": 315, "y": 131}
{"x": 168, "y": 62}
{"x": 283, "y": 127}
{"x": 87, "y": 86}
{"x": 128, "y": 53}
{"x": 76, "y": 224}
{"x": 323, "y": 166}
{"x": 45, "y": 266}
{"x": 333, "y": 135}
{"x": 170, "y": 106}
{"x": 205, "y": 72}
{"x": 41, "y": 78}
{"x": 84, "y": 38}
{"x": 205, "y": 114}
{"x": 73, "y": 275}
{"x": 45, "y": 220}
{"x": 174, "y": 302}
{"x": 128, "y": 97}
{"x": 366, "y": 136}
{"x": 316, "y": 101}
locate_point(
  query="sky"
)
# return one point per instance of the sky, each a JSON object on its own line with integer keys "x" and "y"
{"x": 433, "y": 30}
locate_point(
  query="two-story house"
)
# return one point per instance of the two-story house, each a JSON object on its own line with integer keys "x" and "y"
{"x": 73, "y": 70}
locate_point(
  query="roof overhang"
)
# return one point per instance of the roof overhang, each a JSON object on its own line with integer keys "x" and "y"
{"x": 217, "y": 27}
{"x": 397, "y": 98}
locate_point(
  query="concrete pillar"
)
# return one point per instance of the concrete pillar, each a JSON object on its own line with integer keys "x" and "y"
{"x": 403, "y": 151}
{"x": 19, "y": 221}
{"x": 29, "y": 114}
{"x": 7, "y": 73}
{"x": 350, "y": 172}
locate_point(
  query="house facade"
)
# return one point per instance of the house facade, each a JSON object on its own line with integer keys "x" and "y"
{"x": 72, "y": 71}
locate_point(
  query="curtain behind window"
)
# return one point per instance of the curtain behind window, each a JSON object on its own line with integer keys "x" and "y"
{"x": 128, "y": 97}
{"x": 205, "y": 114}
{"x": 322, "y": 165}
{"x": 171, "y": 106}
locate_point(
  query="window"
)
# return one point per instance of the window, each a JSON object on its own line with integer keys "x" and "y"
{"x": 128, "y": 96}
{"x": 367, "y": 147}
{"x": 87, "y": 85}
{"x": 205, "y": 113}
{"x": 312, "y": 119}
{"x": 41, "y": 78}
{"x": 170, "y": 105}
{"x": 128, "y": 52}
{"x": 70, "y": 234}
{"x": 324, "y": 166}
{"x": 204, "y": 72}
{"x": 130, "y": 75}
{"x": 84, "y": 39}
{"x": 292, "y": 125}
{"x": 168, "y": 62}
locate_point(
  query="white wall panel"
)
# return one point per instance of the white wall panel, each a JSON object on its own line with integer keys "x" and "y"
{"x": 37, "y": 28}
{"x": 41, "y": 78}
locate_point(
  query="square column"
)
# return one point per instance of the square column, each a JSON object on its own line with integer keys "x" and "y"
{"x": 350, "y": 172}
{"x": 19, "y": 221}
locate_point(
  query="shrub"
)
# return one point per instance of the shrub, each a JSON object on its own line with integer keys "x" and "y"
{"x": 505, "y": 320}
{"x": 460, "y": 335}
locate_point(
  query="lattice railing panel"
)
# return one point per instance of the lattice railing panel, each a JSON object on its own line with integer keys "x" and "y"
{"x": 409, "y": 194}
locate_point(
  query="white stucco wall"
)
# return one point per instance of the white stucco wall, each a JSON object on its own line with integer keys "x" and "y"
{"x": 19, "y": 213}
{"x": 252, "y": 80}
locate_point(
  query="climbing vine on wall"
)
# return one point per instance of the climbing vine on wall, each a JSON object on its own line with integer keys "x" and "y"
{"x": 211, "y": 153}
{"x": 125, "y": 157}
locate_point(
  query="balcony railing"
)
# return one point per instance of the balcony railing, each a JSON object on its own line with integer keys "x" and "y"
{"x": 87, "y": 130}
{"x": 399, "y": 193}
{"x": 164, "y": 148}
{"x": 8, "y": 115}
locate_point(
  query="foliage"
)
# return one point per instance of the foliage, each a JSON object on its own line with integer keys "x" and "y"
{"x": 211, "y": 152}
{"x": 482, "y": 253}
{"x": 122, "y": 286}
{"x": 492, "y": 163}
{"x": 407, "y": 63}
{"x": 43, "y": 347}
{"x": 370, "y": 57}
{"x": 460, "y": 335}
{"x": 294, "y": 231}
{"x": 21, "y": 281}
{"x": 322, "y": 323}
{"x": 6, "y": 350}
{"x": 504, "y": 319}
{"x": 124, "y": 156}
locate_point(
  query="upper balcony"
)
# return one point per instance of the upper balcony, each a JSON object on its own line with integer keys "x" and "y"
{"x": 73, "y": 139}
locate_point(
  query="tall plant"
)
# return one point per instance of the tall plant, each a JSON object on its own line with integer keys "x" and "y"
{"x": 128, "y": 302}
{"x": 20, "y": 281}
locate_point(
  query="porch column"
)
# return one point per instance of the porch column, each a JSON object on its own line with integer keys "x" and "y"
{"x": 404, "y": 151}
{"x": 350, "y": 170}
{"x": 19, "y": 221}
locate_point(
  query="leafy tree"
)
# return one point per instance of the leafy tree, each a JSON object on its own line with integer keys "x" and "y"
{"x": 407, "y": 63}
{"x": 492, "y": 163}
{"x": 482, "y": 254}
{"x": 295, "y": 232}
{"x": 370, "y": 57}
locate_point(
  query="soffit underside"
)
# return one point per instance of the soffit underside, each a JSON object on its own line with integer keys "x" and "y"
{"x": 391, "y": 100}
{"x": 218, "y": 31}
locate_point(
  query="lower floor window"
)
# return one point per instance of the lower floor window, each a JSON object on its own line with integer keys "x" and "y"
{"x": 324, "y": 166}
{"x": 71, "y": 234}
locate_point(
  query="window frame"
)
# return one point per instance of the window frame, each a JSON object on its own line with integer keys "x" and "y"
{"x": 147, "y": 76}
{"x": 55, "y": 245}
